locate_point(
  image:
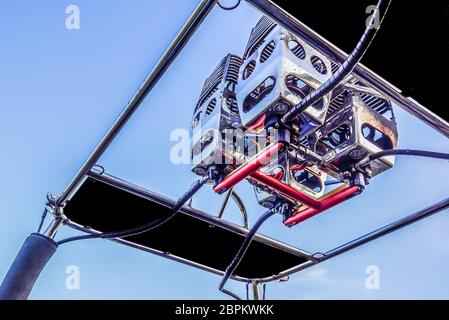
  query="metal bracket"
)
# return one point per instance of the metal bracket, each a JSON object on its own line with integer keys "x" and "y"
{"x": 57, "y": 211}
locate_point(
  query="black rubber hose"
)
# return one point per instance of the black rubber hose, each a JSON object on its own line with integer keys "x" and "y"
{"x": 35, "y": 253}
{"x": 146, "y": 227}
{"x": 409, "y": 152}
{"x": 403, "y": 152}
{"x": 345, "y": 69}
{"x": 239, "y": 256}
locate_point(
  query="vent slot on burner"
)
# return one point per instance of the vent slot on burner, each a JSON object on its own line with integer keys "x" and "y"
{"x": 231, "y": 103}
{"x": 267, "y": 51}
{"x": 233, "y": 69}
{"x": 211, "y": 106}
{"x": 336, "y": 103}
{"x": 260, "y": 31}
{"x": 297, "y": 49}
{"x": 258, "y": 94}
{"x": 210, "y": 94}
{"x": 318, "y": 64}
{"x": 249, "y": 69}
{"x": 380, "y": 105}
{"x": 334, "y": 67}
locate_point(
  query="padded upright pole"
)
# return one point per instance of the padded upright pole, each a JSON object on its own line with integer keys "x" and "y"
{"x": 36, "y": 251}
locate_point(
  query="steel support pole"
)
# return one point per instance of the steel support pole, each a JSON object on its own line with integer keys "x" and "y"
{"x": 192, "y": 24}
{"x": 256, "y": 292}
{"x": 369, "y": 237}
{"x": 387, "y": 229}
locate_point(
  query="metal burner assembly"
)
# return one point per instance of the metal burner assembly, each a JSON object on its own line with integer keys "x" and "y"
{"x": 305, "y": 124}
{"x": 215, "y": 115}
{"x": 311, "y": 160}
{"x": 279, "y": 70}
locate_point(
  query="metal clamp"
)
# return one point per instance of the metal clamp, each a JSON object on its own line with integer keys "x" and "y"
{"x": 57, "y": 211}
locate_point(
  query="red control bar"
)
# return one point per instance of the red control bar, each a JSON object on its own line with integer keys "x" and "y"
{"x": 245, "y": 170}
{"x": 305, "y": 213}
{"x": 311, "y": 206}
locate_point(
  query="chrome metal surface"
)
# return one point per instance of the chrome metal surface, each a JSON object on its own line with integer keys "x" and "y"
{"x": 318, "y": 43}
{"x": 355, "y": 131}
{"x": 279, "y": 69}
{"x": 216, "y": 114}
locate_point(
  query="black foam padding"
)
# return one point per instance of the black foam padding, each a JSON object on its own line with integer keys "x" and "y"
{"x": 105, "y": 208}
{"x": 36, "y": 251}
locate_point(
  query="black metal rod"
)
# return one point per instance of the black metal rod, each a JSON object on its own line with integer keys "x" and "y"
{"x": 242, "y": 207}
{"x": 225, "y": 202}
{"x": 387, "y": 229}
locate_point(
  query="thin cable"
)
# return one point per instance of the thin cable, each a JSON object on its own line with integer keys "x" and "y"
{"x": 241, "y": 206}
{"x": 231, "y": 7}
{"x": 44, "y": 215}
{"x": 224, "y": 204}
{"x": 238, "y": 201}
{"x": 344, "y": 70}
{"x": 146, "y": 227}
{"x": 255, "y": 193}
{"x": 238, "y": 257}
{"x": 404, "y": 152}
{"x": 409, "y": 152}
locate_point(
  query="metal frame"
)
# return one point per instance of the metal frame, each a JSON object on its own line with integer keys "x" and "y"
{"x": 301, "y": 30}
{"x": 314, "y": 258}
{"x": 151, "y": 196}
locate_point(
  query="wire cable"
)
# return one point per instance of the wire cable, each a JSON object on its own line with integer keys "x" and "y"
{"x": 344, "y": 70}
{"x": 224, "y": 204}
{"x": 41, "y": 223}
{"x": 403, "y": 152}
{"x": 239, "y": 256}
{"x": 239, "y": 202}
{"x": 148, "y": 226}
{"x": 409, "y": 152}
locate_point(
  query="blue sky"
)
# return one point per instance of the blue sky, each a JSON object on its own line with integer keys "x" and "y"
{"x": 61, "y": 89}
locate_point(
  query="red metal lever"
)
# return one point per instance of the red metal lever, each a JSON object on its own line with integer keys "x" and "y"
{"x": 305, "y": 213}
{"x": 245, "y": 170}
{"x": 311, "y": 206}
